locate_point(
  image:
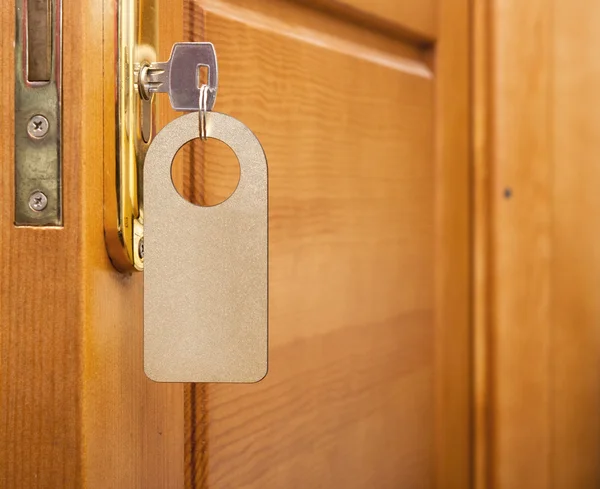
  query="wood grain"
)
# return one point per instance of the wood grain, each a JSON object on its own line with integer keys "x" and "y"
{"x": 75, "y": 407}
{"x": 539, "y": 138}
{"x": 453, "y": 253}
{"x": 482, "y": 134}
{"x": 368, "y": 261}
{"x": 575, "y": 271}
{"x": 40, "y": 358}
{"x": 415, "y": 19}
{"x": 522, "y": 200}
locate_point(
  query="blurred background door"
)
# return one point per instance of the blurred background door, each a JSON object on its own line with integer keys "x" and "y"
{"x": 537, "y": 136}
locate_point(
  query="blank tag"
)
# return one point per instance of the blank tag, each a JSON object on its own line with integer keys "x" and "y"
{"x": 205, "y": 268}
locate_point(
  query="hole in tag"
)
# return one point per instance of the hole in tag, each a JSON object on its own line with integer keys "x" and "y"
{"x": 205, "y": 173}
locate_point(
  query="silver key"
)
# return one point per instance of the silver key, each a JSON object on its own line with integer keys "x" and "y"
{"x": 179, "y": 77}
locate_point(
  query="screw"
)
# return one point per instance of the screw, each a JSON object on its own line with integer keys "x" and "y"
{"x": 141, "y": 248}
{"x": 38, "y": 201}
{"x": 38, "y": 126}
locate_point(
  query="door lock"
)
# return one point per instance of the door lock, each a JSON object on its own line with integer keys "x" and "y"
{"x": 205, "y": 268}
{"x": 139, "y": 76}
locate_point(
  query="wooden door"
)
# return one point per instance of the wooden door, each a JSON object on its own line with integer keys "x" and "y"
{"x": 363, "y": 111}
{"x": 538, "y": 268}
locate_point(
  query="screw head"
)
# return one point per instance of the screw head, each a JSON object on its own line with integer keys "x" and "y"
{"x": 38, "y": 126}
{"x": 141, "y": 248}
{"x": 38, "y": 201}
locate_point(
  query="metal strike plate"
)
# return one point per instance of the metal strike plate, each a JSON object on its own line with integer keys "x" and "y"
{"x": 38, "y": 166}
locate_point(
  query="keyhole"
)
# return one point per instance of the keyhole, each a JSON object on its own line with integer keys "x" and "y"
{"x": 205, "y": 173}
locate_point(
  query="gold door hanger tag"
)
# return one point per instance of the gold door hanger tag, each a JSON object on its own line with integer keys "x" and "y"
{"x": 205, "y": 268}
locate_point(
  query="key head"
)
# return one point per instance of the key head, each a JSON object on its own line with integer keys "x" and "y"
{"x": 184, "y": 75}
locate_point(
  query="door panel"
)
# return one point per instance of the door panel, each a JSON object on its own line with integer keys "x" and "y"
{"x": 348, "y": 119}
{"x": 418, "y": 16}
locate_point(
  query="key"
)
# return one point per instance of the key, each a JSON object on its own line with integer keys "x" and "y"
{"x": 180, "y": 76}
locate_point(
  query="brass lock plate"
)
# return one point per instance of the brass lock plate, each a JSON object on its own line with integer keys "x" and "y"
{"x": 136, "y": 47}
{"x": 139, "y": 77}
